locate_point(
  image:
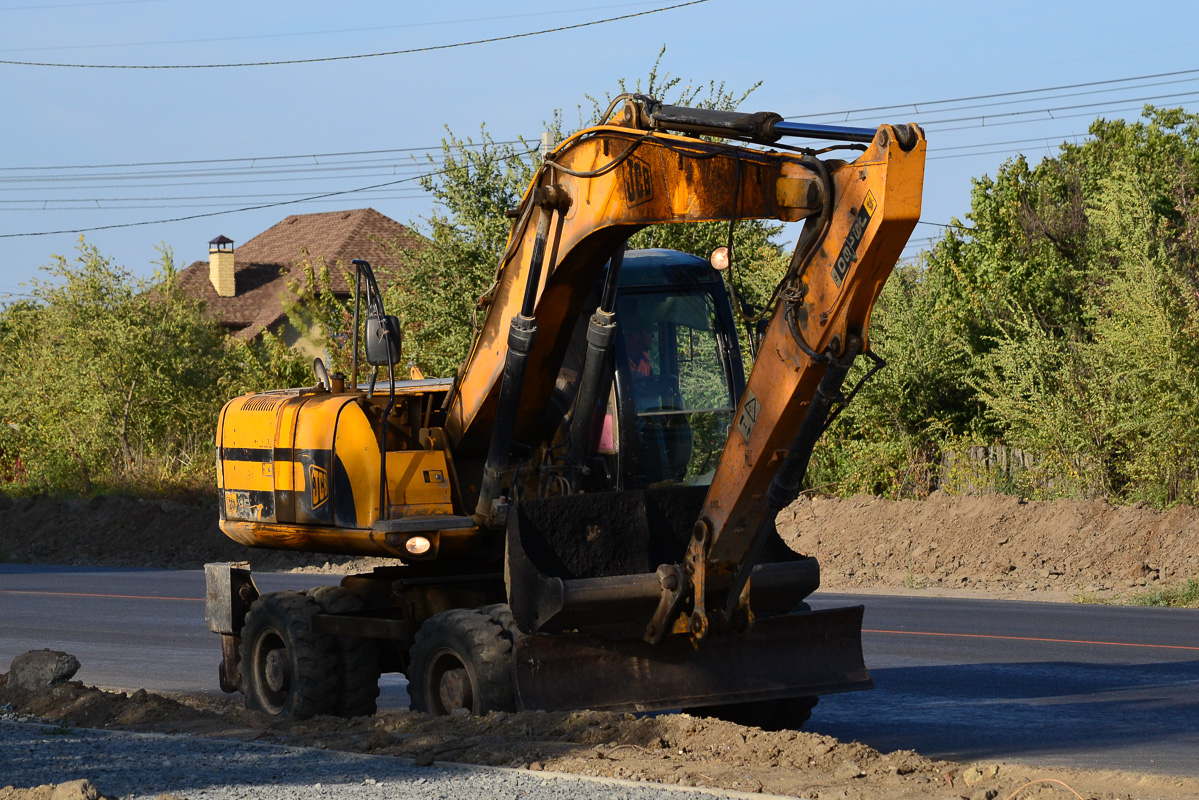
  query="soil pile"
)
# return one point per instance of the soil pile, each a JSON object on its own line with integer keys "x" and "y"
{"x": 119, "y": 531}
{"x": 989, "y": 542}
{"x": 993, "y": 542}
{"x": 70, "y": 790}
{"x": 671, "y": 749}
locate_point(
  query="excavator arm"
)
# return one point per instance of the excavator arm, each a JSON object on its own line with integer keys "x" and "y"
{"x": 605, "y": 183}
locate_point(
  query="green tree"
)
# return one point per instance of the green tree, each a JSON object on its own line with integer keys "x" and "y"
{"x": 1060, "y": 320}
{"x": 112, "y": 382}
{"x": 107, "y": 371}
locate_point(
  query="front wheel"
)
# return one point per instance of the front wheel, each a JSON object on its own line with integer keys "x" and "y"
{"x": 461, "y": 661}
{"x": 287, "y": 670}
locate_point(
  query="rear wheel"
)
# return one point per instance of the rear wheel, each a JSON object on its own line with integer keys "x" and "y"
{"x": 357, "y": 659}
{"x": 461, "y": 660}
{"x": 287, "y": 670}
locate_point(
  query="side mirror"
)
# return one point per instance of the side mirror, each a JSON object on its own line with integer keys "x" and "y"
{"x": 382, "y": 335}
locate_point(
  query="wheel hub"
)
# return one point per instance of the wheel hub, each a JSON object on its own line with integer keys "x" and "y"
{"x": 455, "y": 690}
{"x": 275, "y": 670}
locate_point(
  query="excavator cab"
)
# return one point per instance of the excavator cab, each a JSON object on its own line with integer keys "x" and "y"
{"x": 678, "y": 370}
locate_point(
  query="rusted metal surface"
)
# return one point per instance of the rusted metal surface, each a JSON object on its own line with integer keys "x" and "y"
{"x": 229, "y": 675}
{"x": 794, "y": 655}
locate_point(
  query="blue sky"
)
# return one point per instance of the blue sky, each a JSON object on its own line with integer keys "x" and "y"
{"x": 812, "y": 59}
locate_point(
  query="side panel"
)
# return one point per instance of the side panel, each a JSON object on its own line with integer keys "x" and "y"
{"x": 289, "y": 481}
{"x": 246, "y": 454}
{"x": 418, "y": 484}
{"x": 355, "y": 470}
{"x": 312, "y": 459}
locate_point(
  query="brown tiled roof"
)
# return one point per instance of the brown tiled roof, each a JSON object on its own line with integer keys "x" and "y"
{"x": 264, "y": 264}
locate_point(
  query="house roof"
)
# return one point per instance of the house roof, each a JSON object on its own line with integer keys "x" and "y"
{"x": 264, "y": 265}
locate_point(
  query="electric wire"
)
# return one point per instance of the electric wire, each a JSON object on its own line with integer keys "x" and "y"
{"x": 210, "y": 214}
{"x": 309, "y": 172}
{"x": 358, "y": 56}
{"x": 295, "y": 34}
{"x": 192, "y": 161}
{"x": 970, "y": 98}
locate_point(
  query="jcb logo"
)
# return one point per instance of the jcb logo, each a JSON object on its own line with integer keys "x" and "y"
{"x": 318, "y": 482}
{"x": 637, "y": 182}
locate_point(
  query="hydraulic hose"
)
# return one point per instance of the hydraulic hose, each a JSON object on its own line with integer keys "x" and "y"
{"x": 601, "y": 330}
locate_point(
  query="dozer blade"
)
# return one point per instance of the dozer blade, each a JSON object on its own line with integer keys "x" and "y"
{"x": 791, "y": 655}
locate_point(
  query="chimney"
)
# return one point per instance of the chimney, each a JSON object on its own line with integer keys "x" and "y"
{"x": 220, "y": 266}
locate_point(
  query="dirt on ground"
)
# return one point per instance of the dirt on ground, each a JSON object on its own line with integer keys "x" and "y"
{"x": 675, "y": 749}
{"x": 1085, "y": 549}
{"x": 70, "y": 790}
{"x": 120, "y": 531}
{"x": 993, "y": 545}
{"x": 1080, "y": 549}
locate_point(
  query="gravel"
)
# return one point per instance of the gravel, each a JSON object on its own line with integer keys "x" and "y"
{"x": 133, "y": 765}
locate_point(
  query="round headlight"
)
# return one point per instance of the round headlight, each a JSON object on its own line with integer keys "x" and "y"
{"x": 719, "y": 258}
{"x": 417, "y": 545}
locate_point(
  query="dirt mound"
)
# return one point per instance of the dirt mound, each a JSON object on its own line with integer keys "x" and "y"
{"x": 673, "y": 749}
{"x": 71, "y": 790}
{"x": 989, "y": 542}
{"x": 117, "y": 531}
{"x": 993, "y": 542}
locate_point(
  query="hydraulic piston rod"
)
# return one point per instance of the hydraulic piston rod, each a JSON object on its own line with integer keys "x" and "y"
{"x": 761, "y": 126}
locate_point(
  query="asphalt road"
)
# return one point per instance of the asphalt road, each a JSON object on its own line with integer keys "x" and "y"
{"x": 1101, "y": 687}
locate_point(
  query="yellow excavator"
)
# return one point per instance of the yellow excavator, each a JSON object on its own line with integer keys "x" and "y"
{"x": 584, "y": 516}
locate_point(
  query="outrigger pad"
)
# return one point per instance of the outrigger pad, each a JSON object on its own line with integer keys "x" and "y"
{"x": 792, "y": 655}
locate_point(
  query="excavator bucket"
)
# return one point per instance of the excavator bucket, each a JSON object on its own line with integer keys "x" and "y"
{"x": 582, "y": 586}
{"x": 791, "y": 655}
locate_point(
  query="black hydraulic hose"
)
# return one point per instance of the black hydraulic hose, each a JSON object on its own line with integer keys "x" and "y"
{"x": 521, "y": 336}
{"x": 784, "y": 487}
{"x": 601, "y": 330}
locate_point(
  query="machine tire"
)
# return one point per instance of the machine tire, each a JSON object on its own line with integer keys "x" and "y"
{"x": 357, "y": 658}
{"x": 461, "y": 659}
{"x": 502, "y": 614}
{"x": 769, "y": 715}
{"x": 286, "y": 669}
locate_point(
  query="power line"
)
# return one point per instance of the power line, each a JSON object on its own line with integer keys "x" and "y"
{"x": 77, "y": 5}
{"x": 1061, "y": 108}
{"x": 255, "y": 158}
{"x": 210, "y": 214}
{"x": 295, "y": 34}
{"x": 915, "y": 106}
{"x": 325, "y": 59}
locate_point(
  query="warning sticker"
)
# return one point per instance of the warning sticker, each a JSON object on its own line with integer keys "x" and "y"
{"x": 749, "y": 415}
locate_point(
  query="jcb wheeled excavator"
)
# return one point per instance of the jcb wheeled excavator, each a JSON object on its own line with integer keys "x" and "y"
{"x": 583, "y": 517}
